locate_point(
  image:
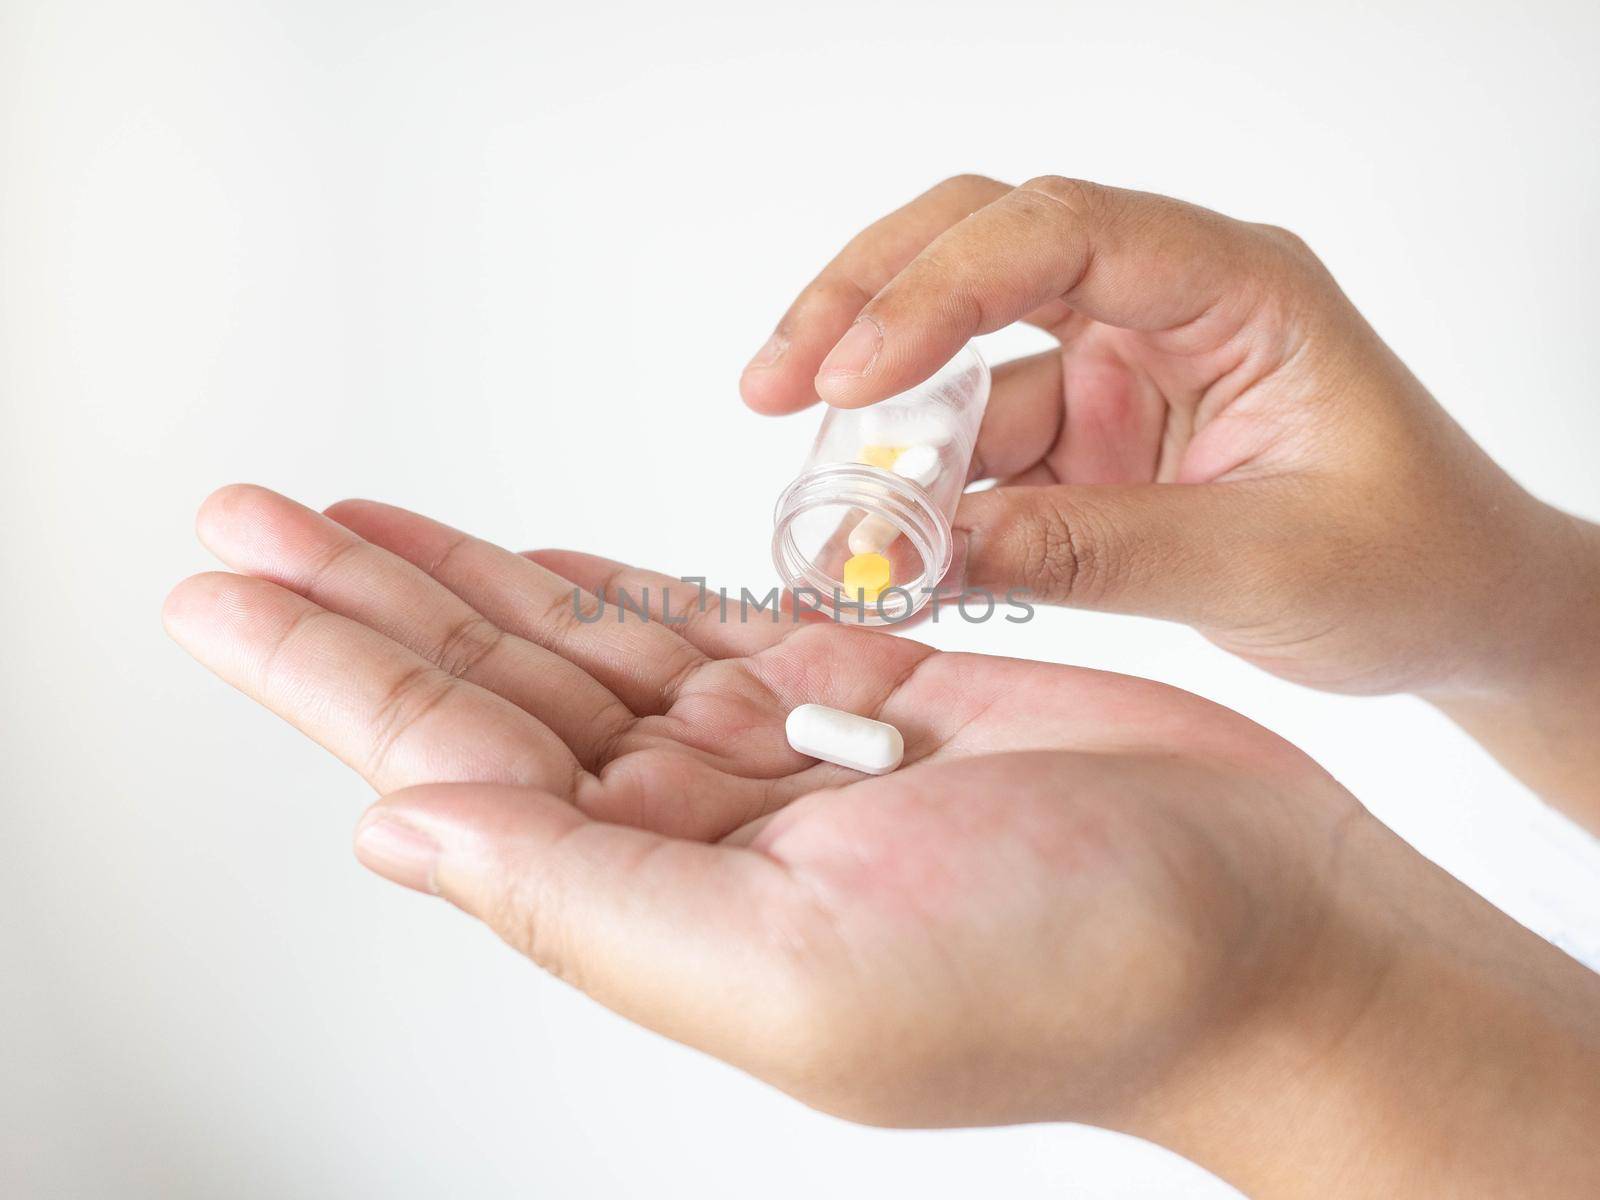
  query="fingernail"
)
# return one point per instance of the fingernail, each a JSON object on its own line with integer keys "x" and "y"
{"x": 399, "y": 852}
{"x": 856, "y": 350}
{"x": 768, "y": 354}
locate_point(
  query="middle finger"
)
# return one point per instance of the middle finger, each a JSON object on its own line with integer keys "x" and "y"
{"x": 641, "y": 662}
{"x": 261, "y": 533}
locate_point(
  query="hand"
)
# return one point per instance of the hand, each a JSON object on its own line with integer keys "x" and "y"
{"x": 1085, "y": 897}
{"x": 1322, "y": 516}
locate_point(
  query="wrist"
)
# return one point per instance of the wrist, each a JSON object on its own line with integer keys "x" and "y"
{"x": 1538, "y": 709}
{"x": 1424, "y": 1043}
{"x": 1542, "y": 615}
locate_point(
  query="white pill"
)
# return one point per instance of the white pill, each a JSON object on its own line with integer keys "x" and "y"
{"x": 873, "y": 535}
{"x": 888, "y": 425}
{"x": 920, "y": 464}
{"x": 835, "y": 736}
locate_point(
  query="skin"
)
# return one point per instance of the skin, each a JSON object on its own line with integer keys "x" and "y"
{"x": 1085, "y": 897}
{"x": 1221, "y": 440}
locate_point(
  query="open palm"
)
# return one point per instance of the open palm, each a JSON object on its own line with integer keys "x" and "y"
{"x": 616, "y": 796}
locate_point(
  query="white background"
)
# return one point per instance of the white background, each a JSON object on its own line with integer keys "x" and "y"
{"x": 503, "y": 265}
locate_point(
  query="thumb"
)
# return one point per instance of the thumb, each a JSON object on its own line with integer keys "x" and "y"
{"x": 1195, "y": 553}
{"x": 674, "y": 935}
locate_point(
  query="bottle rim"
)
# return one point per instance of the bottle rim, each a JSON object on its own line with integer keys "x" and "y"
{"x": 902, "y": 502}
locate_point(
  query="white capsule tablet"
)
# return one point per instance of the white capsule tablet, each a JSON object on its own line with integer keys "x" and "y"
{"x": 873, "y": 535}
{"x": 891, "y": 424}
{"x": 920, "y": 464}
{"x": 835, "y": 736}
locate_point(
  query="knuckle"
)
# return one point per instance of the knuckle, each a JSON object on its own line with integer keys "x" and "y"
{"x": 445, "y": 559}
{"x": 526, "y": 912}
{"x": 524, "y": 923}
{"x": 1287, "y": 239}
{"x": 335, "y": 558}
{"x": 828, "y": 292}
{"x": 1084, "y": 200}
{"x": 680, "y": 607}
{"x": 614, "y": 583}
{"x": 563, "y": 610}
{"x": 1051, "y": 555}
{"x": 1066, "y": 553}
{"x": 283, "y": 643}
{"x": 409, "y": 698}
{"x": 467, "y": 644}
{"x": 1292, "y": 250}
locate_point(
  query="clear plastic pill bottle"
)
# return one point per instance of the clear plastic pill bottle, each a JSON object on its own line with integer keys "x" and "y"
{"x": 863, "y": 532}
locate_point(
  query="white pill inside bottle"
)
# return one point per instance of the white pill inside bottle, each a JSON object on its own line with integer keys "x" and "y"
{"x": 845, "y": 738}
{"x": 920, "y": 464}
{"x": 874, "y": 535}
{"x": 891, "y": 425}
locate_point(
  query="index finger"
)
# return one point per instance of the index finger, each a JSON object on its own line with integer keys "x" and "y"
{"x": 779, "y": 378}
{"x": 1129, "y": 259}
{"x": 391, "y": 714}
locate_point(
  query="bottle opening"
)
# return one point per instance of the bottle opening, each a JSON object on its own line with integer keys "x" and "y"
{"x": 830, "y": 507}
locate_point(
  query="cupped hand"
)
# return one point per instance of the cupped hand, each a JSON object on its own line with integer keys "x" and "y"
{"x": 1320, "y": 515}
{"x": 1084, "y": 897}
{"x": 1074, "y": 878}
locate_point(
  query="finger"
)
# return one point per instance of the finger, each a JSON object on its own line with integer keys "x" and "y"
{"x": 682, "y": 937}
{"x": 749, "y": 768}
{"x": 386, "y": 711}
{"x": 780, "y": 377}
{"x": 258, "y": 532}
{"x": 1038, "y": 475}
{"x": 1077, "y": 415}
{"x": 642, "y": 663}
{"x": 1187, "y": 552}
{"x": 1115, "y": 418}
{"x": 1023, "y": 420}
{"x": 1127, "y": 259}
{"x": 720, "y": 623}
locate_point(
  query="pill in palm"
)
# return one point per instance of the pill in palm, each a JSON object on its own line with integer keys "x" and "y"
{"x": 836, "y": 736}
